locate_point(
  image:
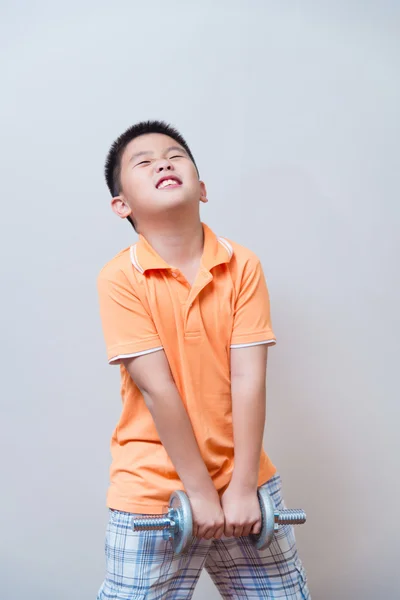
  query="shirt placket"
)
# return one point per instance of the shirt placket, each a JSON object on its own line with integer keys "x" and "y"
{"x": 192, "y": 307}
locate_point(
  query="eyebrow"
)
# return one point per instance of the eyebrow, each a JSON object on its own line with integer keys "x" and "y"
{"x": 147, "y": 152}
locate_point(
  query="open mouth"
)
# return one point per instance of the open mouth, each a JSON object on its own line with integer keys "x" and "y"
{"x": 168, "y": 183}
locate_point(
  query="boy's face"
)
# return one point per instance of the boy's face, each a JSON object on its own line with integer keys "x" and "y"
{"x": 157, "y": 174}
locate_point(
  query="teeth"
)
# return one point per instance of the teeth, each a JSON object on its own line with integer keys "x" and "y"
{"x": 167, "y": 182}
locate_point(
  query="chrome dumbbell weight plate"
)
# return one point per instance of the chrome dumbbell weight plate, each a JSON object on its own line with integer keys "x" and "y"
{"x": 176, "y": 525}
{"x": 180, "y": 511}
{"x": 264, "y": 538}
{"x": 271, "y": 519}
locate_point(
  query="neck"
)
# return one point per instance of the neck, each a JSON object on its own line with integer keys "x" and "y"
{"x": 178, "y": 244}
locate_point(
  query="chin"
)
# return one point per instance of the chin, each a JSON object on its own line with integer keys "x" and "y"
{"x": 176, "y": 201}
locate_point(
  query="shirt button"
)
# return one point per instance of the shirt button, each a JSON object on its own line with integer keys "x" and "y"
{"x": 174, "y": 274}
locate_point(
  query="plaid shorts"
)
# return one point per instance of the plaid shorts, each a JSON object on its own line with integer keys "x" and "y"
{"x": 142, "y": 565}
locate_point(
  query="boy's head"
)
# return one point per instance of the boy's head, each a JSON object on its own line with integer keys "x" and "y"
{"x": 150, "y": 170}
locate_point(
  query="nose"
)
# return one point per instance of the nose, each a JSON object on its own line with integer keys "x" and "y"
{"x": 164, "y": 165}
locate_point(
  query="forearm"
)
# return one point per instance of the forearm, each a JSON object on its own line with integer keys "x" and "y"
{"x": 248, "y": 409}
{"x": 152, "y": 375}
{"x": 176, "y": 434}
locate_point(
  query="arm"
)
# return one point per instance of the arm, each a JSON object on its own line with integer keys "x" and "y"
{"x": 251, "y": 336}
{"x": 248, "y": 374}
{"x": 240, "y": 501}
{"x": 151, "y": 373}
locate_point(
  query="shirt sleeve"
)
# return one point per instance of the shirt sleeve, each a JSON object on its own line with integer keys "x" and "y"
{"x": 128, "y": 328}
{"x": 252, "y": 320}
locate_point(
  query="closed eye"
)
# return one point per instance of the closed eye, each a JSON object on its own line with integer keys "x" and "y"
{"x": 144, "y": 162}
{"x": 177, "y": 156}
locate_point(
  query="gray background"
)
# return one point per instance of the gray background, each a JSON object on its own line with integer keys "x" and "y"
{"x": 291, "y": 110}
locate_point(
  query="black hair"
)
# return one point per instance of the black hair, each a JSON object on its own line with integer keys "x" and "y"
{"x": 112, "y": 168}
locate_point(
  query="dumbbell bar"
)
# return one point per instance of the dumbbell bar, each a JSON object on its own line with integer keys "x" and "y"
{"x": 177, "y": 524}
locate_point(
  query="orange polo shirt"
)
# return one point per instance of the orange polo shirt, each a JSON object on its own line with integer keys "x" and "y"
{"x": 147, "y": 305}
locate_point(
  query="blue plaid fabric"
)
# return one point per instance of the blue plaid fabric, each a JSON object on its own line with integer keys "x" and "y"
{"x": 142, "y": 565}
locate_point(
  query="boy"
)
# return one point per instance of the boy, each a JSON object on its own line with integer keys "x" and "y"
{"x": 186, "y": 316}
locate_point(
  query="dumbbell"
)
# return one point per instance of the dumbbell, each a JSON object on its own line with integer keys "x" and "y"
{"x": 177, "y": 524}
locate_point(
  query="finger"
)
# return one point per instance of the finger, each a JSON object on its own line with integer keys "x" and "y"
{"x": 246, "y": 530}
{"x": 237, "y": 531}
{"x": 219, "y": 533}
{"x": 201, "y": 531}
{"x": 195, "y": 530}
{"x": 228, "y": 530}
{"x": 256, "y": 529}
{"x": 208, "y": 534}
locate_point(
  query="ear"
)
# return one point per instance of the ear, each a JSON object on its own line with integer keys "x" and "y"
{"x": 120, "y": 207}
{"x": 203, "y": 192}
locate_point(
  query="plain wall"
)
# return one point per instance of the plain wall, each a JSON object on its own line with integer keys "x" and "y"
{"x": 291, "y": 110}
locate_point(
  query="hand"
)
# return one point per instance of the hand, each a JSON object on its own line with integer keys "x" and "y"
{"x": 208, "y": 516}
{"x": 242, "y": 511}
